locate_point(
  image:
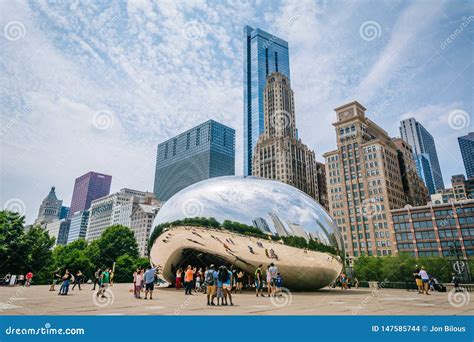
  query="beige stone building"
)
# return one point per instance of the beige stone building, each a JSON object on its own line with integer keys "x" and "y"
{"x": 364, "y": 183}
{"x": 279, "y": 154}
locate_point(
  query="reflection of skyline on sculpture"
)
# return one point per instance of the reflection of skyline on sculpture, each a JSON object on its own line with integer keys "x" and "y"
{"x": 263, "y": 203}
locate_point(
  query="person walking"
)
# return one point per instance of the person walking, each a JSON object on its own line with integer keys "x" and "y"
{"x": 56, "y": 278}
{"x": 188, "y": 279}
{"x": 259, "y": 281}
{"x": 29, "y": 276}
{"x": 425, "y": 280}
{"x": 268, "y": 280}
{"x": 77, "y": 280}
{"x": 416, "y": 276}
{"x": 211, "y": 285}
{"x": 104, "y": 283}
{"x": 149, "y": 278}
{"x": 97, "y": 276}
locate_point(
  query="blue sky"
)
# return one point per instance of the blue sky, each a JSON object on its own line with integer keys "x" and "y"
{"x": 97, "y": 85}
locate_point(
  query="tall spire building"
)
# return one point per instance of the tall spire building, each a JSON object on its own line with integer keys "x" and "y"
{"x": 279, "y": 154}
{"x": 264, "y": 53}
{"x": 49, "y": 209}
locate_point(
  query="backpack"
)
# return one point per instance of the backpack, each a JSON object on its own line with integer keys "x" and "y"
{"x": 209, "y": 277}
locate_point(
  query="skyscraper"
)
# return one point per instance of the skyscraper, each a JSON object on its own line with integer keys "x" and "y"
{"x": 466, "y": 144}
{"x": 87, "y": 188}
{"x": 424, "y": 149}
{"x": 264, "y": 53}
{"x": 78, "y": 226}
{"x": 50, "y": 209}
{"x": 279, "y": 154}
{"x": 205, "y": 151}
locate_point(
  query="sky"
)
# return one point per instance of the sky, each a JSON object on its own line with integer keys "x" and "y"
{"x": 97, "y": 85}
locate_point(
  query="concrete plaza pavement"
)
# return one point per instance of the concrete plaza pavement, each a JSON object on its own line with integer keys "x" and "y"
{"x": 38, "y": 300}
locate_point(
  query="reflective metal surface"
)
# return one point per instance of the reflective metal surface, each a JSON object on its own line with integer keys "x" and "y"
{"x": 272, "y": 206}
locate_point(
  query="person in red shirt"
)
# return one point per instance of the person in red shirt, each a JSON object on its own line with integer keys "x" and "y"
{"x": 29, "y": 276}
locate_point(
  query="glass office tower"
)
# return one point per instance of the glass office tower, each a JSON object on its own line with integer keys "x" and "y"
{"x": 203, "y": 152}
{"x": 466, "y": 145}
{"x": 423, "y": 143}
{"x": 264, "y": 53}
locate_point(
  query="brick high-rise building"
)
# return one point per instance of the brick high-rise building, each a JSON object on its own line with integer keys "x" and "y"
{"x": 87, "y": 188}
{"x": 364, "y": 183}
{"x": 279, "y": 154}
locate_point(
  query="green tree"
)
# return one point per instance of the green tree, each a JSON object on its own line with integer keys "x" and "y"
{"x": 124, "y": 268}
{"x": 116, "y": 241}
{"x": 22, "y": 252}
{"x": 73, "y": 257}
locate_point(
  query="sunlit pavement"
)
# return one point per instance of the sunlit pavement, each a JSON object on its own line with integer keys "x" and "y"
{"x": 38, "y": 300}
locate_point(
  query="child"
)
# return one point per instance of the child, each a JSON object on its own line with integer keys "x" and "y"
{"x": 278, "y": 284}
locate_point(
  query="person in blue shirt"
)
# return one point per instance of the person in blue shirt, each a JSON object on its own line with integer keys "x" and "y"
{"x": 149, "y": 278}
{"x": 278, "y": 283}
{"x": 226, "y": 277}
{"x": 220, "y": 291}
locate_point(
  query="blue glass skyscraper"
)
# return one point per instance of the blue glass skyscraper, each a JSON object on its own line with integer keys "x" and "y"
{"x": 264, "y": 53}
{"x": 203, "y": 152}
{"x": 425, "y": 153}
{"x": 466, "y": 145}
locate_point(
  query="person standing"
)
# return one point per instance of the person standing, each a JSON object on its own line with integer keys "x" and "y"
{"x": 149, "y": 278}
{"x": 198, "y": 277}
{"x": 21, "y": 280}
{"x": 211, "y": 285}
{"x": 259, "y": 281}
{"x": 178, "y": 278}
{"x": 138, "y": 284}
{"x": 425, "y": 280}
{"x": 240, "y": 281}
{"x": 29, "y": 276}
{"x": 188, "y": 279}
{"x": 278, "y": 284}
{"x": 63, "y": 290}
{"x": 273, "y": 276}
{"x": 455, "y": 280}
{"x": 227, "y": 284}
{"x": 97, "y": 276}
{"x": 269, "y": 280}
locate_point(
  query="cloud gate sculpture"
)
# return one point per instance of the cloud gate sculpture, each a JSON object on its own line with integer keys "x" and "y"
{"x": 247, "y": 221}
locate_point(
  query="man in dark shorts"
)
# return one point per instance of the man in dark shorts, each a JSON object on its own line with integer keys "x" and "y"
{"x": 259, "y": 281}
{"x": 149, "y": 278}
